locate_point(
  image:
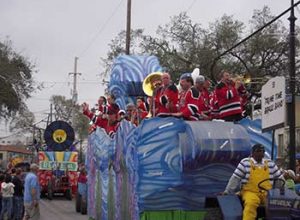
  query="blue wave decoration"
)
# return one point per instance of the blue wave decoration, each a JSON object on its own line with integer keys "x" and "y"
{"x": 127, "y": 75}
{"x": 163, "y": 164}
{"x": 179, "y": 161}
{"x": 256, "y": 135}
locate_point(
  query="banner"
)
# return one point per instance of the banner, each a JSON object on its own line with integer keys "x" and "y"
{"x": 273, "y": 104}
{"x": 49, "y": 160}
{"x": 54, "y": 165}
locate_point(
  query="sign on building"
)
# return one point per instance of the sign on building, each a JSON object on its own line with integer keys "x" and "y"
{"x": 273, "y": 104}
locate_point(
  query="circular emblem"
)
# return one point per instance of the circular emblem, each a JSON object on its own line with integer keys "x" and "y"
{"x": 59, "y": 136}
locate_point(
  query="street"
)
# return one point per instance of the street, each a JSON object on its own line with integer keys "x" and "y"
{"x": 59, "y": 208}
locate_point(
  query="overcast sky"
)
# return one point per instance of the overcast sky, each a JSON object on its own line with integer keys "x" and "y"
{"x": 52, "y": 32}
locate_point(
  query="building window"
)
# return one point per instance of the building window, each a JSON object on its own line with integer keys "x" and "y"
{"x": 280, "y": 152}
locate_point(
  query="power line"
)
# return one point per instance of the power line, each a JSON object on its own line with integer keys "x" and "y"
{"x": 191, "y": 5}
{"x": 61, "y": 82}
{"x": 101, "y": 29}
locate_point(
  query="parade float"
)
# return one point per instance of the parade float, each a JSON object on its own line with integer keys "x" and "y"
{"x": 166, "y": 168}
{"x": 58, "y": 165}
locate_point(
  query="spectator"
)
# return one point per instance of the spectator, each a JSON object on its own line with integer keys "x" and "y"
{"x": 32, "y": 194}
{"x": 289, "y": 177}
{"x": 13, "y": 172}
{"x": 18, "y": 195}
{"x": 7, "y": 191}
{"x": 2, "y": 178}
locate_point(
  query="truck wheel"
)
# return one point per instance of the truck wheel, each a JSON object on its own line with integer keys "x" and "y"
{"x": 49, "y": 191}
{"x": 68, "y": 194}
{"x": 83, "y": 206}
{"x": 78, "y": 202}
{"x": 213, "y": 214}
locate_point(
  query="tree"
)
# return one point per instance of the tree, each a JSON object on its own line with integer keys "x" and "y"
{"x": 117, "y": 47}
{"x": 64, "y": 110}
{"x": 267, "y": 52}
{"x": 16, "y": 81}
{"x": 23, "y": 120}
{"x": 181, "y": 45}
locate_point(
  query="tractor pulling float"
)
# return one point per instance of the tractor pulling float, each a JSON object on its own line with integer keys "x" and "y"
{"x": 58, "y": 164}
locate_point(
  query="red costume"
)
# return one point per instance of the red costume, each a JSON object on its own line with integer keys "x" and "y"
{"x": 214, "y": 107}
{"x": 82, "y": 178}
{"x": 142, "y": 111}
{"x": 203, "y": 105}
{"x": 243, "y": 93}
{"x": 97, "y": 118}
{"x": 111, "y": 129}
{"x": 188, "y": 104}
{"x": 166, "y": 100}
{"x": 229, "y": 101}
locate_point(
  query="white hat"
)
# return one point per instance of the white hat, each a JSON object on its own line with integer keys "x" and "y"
{"x": 200, "y": 79}
{"x": 291, "y": 173}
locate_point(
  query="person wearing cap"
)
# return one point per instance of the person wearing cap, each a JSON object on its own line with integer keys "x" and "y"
{"x": 32, "y": 194}
{"x": 188, "y": 99}
{"x": 228, "y": 98}
{"x": 166, "y": 98}
{"x": 112, "y": 120}
{"x": 248, "y": 174}
{"x": 203, "y": 105}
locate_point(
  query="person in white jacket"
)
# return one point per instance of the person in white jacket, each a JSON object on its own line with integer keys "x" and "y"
{"x": 7, "y": 191}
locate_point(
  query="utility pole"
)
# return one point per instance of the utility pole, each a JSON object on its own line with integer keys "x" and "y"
{"x": 292, "y": 147}
{"x": 128, "y": 27}
{"x": 51, "y": 109}
{"x": 74, "y": 91}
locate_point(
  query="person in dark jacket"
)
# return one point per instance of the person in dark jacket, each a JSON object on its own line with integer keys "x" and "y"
{"x": 18, "y": 195}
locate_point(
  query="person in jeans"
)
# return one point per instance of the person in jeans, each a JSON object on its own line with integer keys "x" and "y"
{"x": 18, "y": 195}
{"x": 2, "y": 178}
{"x": 7, "y": 190}
{"x": 32, "y": 194}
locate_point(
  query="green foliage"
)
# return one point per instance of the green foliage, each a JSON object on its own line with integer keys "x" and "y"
{"x": 182, "y": 45}
{"x": 64, "y": 109}
{"x": 23, "y": 120}
{"x": 16, "y": 81}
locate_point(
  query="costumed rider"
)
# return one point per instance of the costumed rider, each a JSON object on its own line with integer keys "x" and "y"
{"x": 202, "y": 85}
{"x": 188, "y": 99}
{"x": 228, "y": 98}
{"x": 98, "y": 117}
{"x": 166, "y": 97}
{"x": 112, "y": 120}
{"x": 248, "y": 174}
{"x": 133, "y": 114}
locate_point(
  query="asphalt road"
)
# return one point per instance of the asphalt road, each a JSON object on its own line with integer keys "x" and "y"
{"x": 59, "y": 208}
